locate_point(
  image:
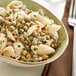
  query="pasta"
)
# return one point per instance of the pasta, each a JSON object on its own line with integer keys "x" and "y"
{"x": 27, "y": 35}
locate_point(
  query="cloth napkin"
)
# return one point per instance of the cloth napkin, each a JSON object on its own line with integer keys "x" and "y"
{"x": 63, "y": 65}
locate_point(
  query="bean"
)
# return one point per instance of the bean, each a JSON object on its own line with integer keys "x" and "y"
{"x": 10, "y": 44}
{"x": 23, "y": 22}
{"x": 21, "y": 31}
{"x": 47, "y": 37}
{"x": 28, "y": 56}
{"x": 40, "y": 58}
{"x": 42, "y": 34}
{"x": 12, "y": 28}
{"x": 25, "y": 34}
{"x": 44, "y": 57}
{"x": 35, "y": 59}
{"x": 35, "y": 56}
{"x": 24, "y": 52}
{"x": 27, "y": 24}
{"x": 21, "y": 38}
{"x": 25, "y": 28}
{"x": 3, "y": 30}
{"x": 22, "y": 58}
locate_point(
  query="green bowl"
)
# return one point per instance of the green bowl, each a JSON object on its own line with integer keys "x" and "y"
{"x": 62, "y": 34}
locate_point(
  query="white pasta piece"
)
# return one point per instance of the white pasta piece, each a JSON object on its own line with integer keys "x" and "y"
{"x": 33, "y": 28}
{"x": 18, "y": 47}
{"x": 3, "y": 41}
{"x": 11, "y": 17}
{"x": 43, "y": 49}
{"x": 54, "y": 28}
{"x": 43, "y": 20}
{"x": 8, "y": 22}
{"x": 27, "y": 17}
{"x": 14, "y": 3}
{"x": 8, "y": 51}
{"x": 39, "y": 24}
{"x": 49, "y": 42}
{"x": 2, "y": 11}
{"x": 1, "y": 19}
{"x": 33, "y": 14}
{"x": 21, "y": 15}
{"x": 54, "y": 35}
{"x": 10, "y": 36}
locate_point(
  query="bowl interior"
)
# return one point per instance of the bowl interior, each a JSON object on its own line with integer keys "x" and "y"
{"x": 62, "y": 32}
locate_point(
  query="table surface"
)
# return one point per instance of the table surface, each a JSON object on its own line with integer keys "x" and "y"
{"x": 9, "y": 70}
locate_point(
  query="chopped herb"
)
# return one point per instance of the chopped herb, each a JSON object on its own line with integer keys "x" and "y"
{"x": 19, "y": 46}
{"x": 6, "y": 33}
{"x": 12, "y": 7}
{"x": 35, "y": 49}
{"x": 31, "y": 19}
{"x": 0, "y": 42}
{"x": 31, "y": 41}
{"x": 35, "y": 16}
{"x": 1, "y": 15}
{"x": 7, "y": 14}
{"x": 50, "y": 24}
{"x": 26, "y": 46}
{"x": 21, "y": 25}
{"x": 16, "y": 17}
{"x": 2, "y": 24}
{"x": 8, "y": 26}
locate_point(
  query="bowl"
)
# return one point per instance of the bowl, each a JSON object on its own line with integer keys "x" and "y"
{"x": 62, "y": 33}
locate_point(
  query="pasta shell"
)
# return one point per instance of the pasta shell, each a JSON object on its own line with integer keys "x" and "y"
{"x": 8, "y": 51}
{"x": 54, "y": 28}
{"x": 43, "y": 20}
{"x": 10, "y": 36}
{"x": 37, "y": 27}
{"x": 43, "y": 49}
{"x": 14, "y": 3}
{"x": 31, "y": 30}
{"x": 1, "y": 19}
{"x": 3, "y": 41}
{"x": 18, "y": 46}
{"x": 2, "y": 11}
{"x": 54, "y": 35}
{"x": 33, "y": 14}
{"x": 39, "y": 24}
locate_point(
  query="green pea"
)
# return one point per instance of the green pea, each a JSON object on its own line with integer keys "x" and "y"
{"x": 35, "y": 49}
{"x": 7, "y": 14}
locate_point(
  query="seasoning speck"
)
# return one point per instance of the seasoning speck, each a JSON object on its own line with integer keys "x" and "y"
{"x": 19, "y": 46}
{"x": 35, "y": 49}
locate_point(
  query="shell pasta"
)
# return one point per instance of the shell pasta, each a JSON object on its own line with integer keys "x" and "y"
{"x": 27, "y": 35}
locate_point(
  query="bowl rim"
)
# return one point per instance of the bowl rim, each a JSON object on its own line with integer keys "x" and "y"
{"x": 50, "y": 59}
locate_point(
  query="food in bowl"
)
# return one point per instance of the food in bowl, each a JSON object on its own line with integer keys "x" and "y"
{"x": 27, "y": 35}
